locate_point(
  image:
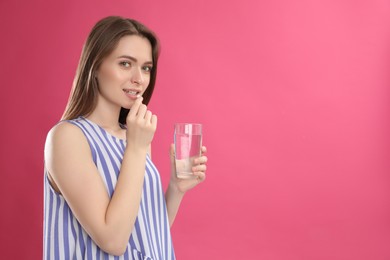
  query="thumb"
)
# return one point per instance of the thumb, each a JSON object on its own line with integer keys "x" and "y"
{"x": 173, "y": 163}
{"x": 172, "y": 153}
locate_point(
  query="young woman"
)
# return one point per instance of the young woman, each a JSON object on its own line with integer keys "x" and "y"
{"x": 103, "y": 195}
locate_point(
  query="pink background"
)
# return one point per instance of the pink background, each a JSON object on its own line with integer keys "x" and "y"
{"x": 295, "y": 101}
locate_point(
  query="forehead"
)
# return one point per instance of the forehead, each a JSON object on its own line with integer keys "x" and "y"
{"x": 134, "y": 46}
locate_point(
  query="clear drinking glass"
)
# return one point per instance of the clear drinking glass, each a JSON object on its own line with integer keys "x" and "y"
{"x": 188, "y": 143}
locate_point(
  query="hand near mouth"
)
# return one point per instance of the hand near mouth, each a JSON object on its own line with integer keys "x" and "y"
{"x": 141, "y": 125}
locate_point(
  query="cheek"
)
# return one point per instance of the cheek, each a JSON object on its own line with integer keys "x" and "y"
{"x": 147, "y": 81}
{"x": 102, "y": 77}
{"x": 107, "y": 77}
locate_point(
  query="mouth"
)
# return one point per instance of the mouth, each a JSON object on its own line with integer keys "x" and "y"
{"x": 132, "y": 92}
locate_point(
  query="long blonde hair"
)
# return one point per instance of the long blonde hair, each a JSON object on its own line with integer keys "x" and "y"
{"x": 102, "y": 40}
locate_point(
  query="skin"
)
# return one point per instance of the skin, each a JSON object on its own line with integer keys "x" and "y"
{"x": 72, "y": 172}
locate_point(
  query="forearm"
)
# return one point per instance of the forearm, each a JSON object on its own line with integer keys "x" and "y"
{"x": 124, "y": 205}
{"x": 173, "y": 198}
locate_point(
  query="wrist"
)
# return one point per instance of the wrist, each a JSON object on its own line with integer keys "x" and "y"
{"x": 174, "y": 189}
{"x": 135, "y": 149}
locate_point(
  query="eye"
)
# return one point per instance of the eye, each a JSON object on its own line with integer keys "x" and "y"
{"x": 147, "y": 68}
{"x": 125, "y": 64}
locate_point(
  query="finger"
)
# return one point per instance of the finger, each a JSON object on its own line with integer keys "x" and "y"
{"x": 154, "y": 121}
{"x": 142, "y": 111}
{"x": 172, "y": 150}
{"x": 201, "y": 160}
{"x": 172, "y": 154}
{"x": 135, "y": 107}
{"x": 200, "y": 176}
{"x": 199, "y": 168}
{"x": 204, "y": 149}
{"x": 148, "y": 117}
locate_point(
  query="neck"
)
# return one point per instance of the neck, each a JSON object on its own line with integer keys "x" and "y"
{"x": 106, "y": 116}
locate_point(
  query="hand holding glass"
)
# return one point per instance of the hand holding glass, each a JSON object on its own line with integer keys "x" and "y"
{"x": 188, "y": 143}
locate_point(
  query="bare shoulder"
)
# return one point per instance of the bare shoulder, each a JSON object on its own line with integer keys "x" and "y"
{"x": 65, "y": 134}
{"x": 63, "y": 142}
{"x": 64, "y": 131}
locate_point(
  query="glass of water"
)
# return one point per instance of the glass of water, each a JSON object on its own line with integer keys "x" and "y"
{"x": 188, "y": 143}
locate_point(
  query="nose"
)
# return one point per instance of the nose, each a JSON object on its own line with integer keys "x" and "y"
{"x": 136, "y": 76}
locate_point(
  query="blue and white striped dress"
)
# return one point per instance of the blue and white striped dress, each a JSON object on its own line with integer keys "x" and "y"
{"x": 64, "y": 238}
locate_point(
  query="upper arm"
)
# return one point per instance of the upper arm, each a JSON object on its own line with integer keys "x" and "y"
{"x": 69, "y": 161}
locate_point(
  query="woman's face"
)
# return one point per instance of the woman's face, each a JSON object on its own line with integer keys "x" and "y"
{"x": 125, "y": 73}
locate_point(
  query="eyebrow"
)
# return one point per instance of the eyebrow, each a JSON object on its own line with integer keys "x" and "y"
{"x": 133, "y": 59}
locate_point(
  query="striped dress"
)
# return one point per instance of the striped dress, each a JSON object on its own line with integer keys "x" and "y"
{"x": 64, "y": 238}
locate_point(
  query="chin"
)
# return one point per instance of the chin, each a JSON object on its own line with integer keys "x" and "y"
{"x": 126, "y": 107}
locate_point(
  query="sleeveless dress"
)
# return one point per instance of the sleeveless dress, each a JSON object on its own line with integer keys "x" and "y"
{"x": 64, "y": 237}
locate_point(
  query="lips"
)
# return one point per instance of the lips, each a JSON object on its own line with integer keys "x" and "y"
{"x": 132, "y": 92}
